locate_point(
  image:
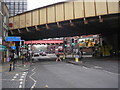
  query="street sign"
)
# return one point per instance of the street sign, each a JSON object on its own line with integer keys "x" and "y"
{"x": 13, "y": 47}
{"x": 13, "y": 38}
{"x": 77, "y": 56}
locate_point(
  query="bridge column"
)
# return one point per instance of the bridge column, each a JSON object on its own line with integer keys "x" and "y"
{"x": 36, "y": 27}
{"x": 19, "y": 31}
{"x": 112, "y": 39}
{"x": 27, "y": 29}
{"x": 58, "y": 24}
{"x": 11, "y": 32}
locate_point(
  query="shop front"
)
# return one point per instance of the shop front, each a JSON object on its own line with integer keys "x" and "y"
{"x": 5, "y": 51}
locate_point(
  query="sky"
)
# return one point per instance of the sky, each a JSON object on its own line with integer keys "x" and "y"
{"x": 32, "y": 4}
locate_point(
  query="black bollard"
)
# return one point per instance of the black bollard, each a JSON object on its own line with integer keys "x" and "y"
{"x": 23, "y": 61}
{"x": 13, "y": 65}
{"x": 10, "y": 66}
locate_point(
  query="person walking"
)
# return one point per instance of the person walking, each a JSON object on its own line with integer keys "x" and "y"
{"x": 58, "y": 57}
{"x": 80, "y": 53}
{"x": 12, "y": 60}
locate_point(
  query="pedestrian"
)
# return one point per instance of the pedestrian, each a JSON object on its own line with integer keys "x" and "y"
{"x": 80, "y": 53}
{"x": 12, "y": 60}
{"x": 58, "y": 57}
{"x": 15, "y": 57}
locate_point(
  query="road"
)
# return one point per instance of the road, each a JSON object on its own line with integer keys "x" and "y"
{"x": 51, "y": 74}
{"x": 47, "y": 73}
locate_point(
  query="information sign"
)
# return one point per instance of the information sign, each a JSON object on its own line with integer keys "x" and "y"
{"x": 13, "y": 38}
{"x": 13, "y": 47}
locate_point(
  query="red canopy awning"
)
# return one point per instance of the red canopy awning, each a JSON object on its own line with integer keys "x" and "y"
{"x": 44, "y": 42}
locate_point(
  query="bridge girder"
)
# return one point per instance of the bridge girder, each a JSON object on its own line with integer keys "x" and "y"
{"x": 106, "y": 24}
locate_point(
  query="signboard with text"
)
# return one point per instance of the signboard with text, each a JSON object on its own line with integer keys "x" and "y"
{"x": 13, "y": 38}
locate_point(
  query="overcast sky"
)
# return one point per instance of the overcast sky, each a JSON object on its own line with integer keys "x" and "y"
{"x": 32, "y": 4}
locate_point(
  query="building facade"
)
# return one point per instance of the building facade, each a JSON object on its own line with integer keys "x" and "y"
{"x": 1, "y": 27}
{"x": 16, "y": 6}
{"x": 4, "y": 22}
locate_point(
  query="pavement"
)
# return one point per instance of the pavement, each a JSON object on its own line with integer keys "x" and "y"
{"x": 110, "y": 64}
{"x": 15, "y": 78}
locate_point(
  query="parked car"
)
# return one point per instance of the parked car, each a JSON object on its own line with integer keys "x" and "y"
{"x": 35, "y": 54}
{"x": 40, "y": 52}
{"x": 43, "y": 54}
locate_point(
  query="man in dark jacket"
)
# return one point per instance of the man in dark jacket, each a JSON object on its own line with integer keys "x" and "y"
{"x": 12, "y": 60}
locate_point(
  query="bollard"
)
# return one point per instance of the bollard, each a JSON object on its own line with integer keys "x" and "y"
{"x": 10, "y": 66}
{"x": 13, "y": 65}
{"x": 76, "y": 58}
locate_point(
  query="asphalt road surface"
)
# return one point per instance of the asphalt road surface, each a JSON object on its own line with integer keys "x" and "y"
{"x": 51, "y": 74}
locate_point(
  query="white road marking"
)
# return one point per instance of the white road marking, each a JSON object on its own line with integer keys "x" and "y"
{"x": 100, "y": 68}
{"x": 21, "y": 79}
{"x": 24, "y": 79}
{"x": 32, "y": 78}
{"x": 20, "y": 86}
{"x": 85, "y": 67}
{"x": 22, "y": 76}
{"x": 46, "y": 86}
{"x": 110, "y": 72}
{"x": 21, "y": 82}
{"x": 17, "y": 74}
{"x": 9, "y": 79}
{"x": 97, "y": 67}
{"x": 15, "y": 77}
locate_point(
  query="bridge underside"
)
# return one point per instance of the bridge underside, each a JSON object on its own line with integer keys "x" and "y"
{"x": 105, "y": 25}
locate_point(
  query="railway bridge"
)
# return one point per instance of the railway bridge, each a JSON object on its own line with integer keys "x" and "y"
{"x": 72, "y": 18}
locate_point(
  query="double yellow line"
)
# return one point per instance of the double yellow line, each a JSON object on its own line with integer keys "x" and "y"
{"x": 4, "y": 68}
